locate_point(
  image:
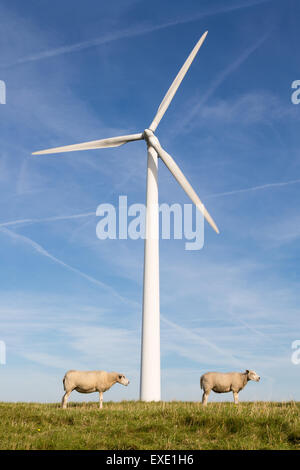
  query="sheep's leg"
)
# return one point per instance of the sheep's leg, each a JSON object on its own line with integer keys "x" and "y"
{"x": 205, "y": 397}
{"x": 100, "y": 400}
{"x": 236, "y": 398}
{"x": 65, "y": 399}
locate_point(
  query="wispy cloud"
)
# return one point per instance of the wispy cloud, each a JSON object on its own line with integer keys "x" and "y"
{"x": 133, "y": 31}
{"x": 39, "y": 249}
{"x": 191, "y": 335}
{"x": 222, "y": 77}
{"x": 249, "y": 327}
{"x": 262, "y": 107}
{"x": 48, "y": 360}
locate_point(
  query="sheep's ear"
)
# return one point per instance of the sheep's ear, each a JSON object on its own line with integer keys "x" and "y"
{"x": 247, "y": 371}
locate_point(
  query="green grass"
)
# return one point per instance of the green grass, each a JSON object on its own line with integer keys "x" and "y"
{"x": 137, "y": 425}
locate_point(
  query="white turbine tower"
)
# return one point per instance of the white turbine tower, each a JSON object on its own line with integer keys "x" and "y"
{"x": 150, "y": 353}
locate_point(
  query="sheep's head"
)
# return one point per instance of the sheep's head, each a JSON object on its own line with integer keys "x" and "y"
{"x": 122, "y": 379}
{"x": 252, "y": 375}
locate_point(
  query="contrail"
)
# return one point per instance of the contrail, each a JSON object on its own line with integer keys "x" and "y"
{"x": 47, "y": 219}
{"x": 128, "y": 33}
{"x": 251, "y": 328}
{"x": 194, "y": 336}
{"x": 254, "y": 188}
{"x": 90, "y": 214}
{"x": 39, "y": 249}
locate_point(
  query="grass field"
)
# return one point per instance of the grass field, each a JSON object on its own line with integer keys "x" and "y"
{"x": 138, "y": 425}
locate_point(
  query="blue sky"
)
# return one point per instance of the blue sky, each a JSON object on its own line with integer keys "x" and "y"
{"x": 77, "y": 71}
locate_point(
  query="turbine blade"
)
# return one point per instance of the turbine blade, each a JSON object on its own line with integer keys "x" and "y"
{"x": 173, "y": 88}
{"x": 94, "y": 144}
{"x": 181, "y": 179}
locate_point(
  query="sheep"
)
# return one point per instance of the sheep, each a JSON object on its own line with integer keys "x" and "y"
{"x": 90, "y": 381}
{"x": 221, "y": 382}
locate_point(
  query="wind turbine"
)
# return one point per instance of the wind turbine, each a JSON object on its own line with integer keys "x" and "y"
{"x": 150, "y": 351}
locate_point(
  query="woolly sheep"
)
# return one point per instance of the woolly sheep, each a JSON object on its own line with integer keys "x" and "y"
{"x": 90, "y": 381}
{"x": 221, "y": 382}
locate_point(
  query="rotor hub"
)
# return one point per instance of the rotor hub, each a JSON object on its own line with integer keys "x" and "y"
{"x": 150, "y": 138}
{"x": 148, "y": 133}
